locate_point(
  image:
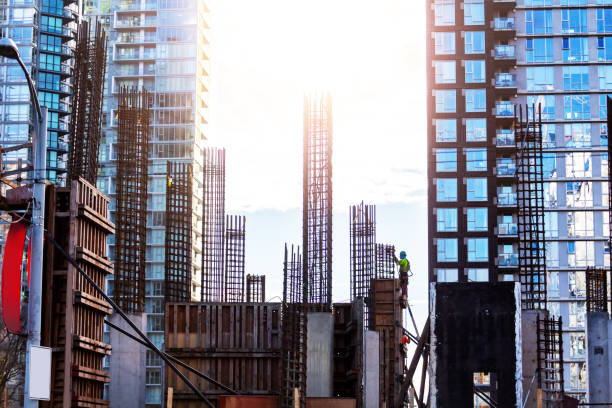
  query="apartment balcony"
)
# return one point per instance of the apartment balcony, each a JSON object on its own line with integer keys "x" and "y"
{"x": 504, "y": 24}
{"x": 506, "y": 199}
{"x": 507, "y": 260}
{"x": 505, "y": 139}
{"x": 508, "y": 229}
{"x": 506, "y": 169}
{"x": 504, "y": 109}
{"x": 58, "y": 145}
{"x": 505, "y": 84}
{"x": 505, "y": 55}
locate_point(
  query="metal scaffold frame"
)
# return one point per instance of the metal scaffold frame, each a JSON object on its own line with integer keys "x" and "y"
{"x": 550, "y": 360}
{"x": 234, "y": 258}
{"x": 363, "y": 253}
{"x": 293, "y": 348}
{"x": 256, "y": 288}
{"x": 87, "y": 102}
{"x": 596, "y": 289}
{"x": 530, "y": 201}
{"x": 131, "y": 199}
{"x": 385, "y": 263}
{"x": 213, "y": 220}
{"x": 317, "y": 201}
{"x": 178, "y": 261}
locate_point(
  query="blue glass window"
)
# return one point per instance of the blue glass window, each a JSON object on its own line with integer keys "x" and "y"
{"x": 604, "y": 48}
{"x": 446, "y": 160}
{"x": 445, "y": 100}
{"x": 478, "y": 275}
{"x": 540, "y": 78}
{"x": 573, "y": 21}
{"x": 473, "y": 11}
{"x": 475, "y": 100}
{"x": 477, "y": 219}
{"x": 603, "y": 107}
{"x": 476, "y": 130}
{"x": 577, "y": 135}
{"x": 577, "y": 106}
{"x": 444, "y": 43}
{"x": 474, "y": 71}
{"x": 604, "y": 73}
{"x": 49, "y": 81}
{"x": 549, "y": 165}
{"x": 49, "y": 62}
{"x": 539, "y": 50}
{"x": 547, "y": 103}
{"x": 477, "y": 189}
{"x": 446, "y": 189}
{"x": 478, "y": 249}
{"x": 604, "y": 20}
{"x": 573, "y": 2}
{"x": 476, "y": 159}
{"x": 445, "y": 72}
{"x": 51, "y": 24}
{"x": 575, "y": 49}
{"x": 538, "y": 21}
{"x": 576, "y": 78}
{"x": 530, "y": 3}
{"x": 447, "y": 249}
{"x": 474, "y": 42}
{"x": 446, "y": 219}
{"x": 446, "y": 130}
{"x": 444, "y": 12}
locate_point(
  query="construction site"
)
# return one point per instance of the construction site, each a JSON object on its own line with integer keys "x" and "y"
{"x": 223, "y": 343}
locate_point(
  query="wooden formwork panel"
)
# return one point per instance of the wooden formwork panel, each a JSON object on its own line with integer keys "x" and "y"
{"x": 74, "y": 311}
{"x": 237, "y": 344}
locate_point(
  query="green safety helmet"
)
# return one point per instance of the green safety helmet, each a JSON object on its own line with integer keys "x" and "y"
{"x": 403, "y": 255}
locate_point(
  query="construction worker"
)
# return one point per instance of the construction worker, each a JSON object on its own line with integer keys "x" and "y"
{"x": 404, "y": 269}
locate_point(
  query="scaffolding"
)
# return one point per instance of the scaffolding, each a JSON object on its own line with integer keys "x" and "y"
{"x": 213, "y": 220}
{"x": 362, "y": 219}
{"x": 385, "y": 261}
{"x": 530, "y": 201}
{"x": 596, "y": 289}
{"x": 87, "y": 100}
{"x": 178, "y": 261}
{"x": 293, "y": 348}
{"x": 317, "y": 201}
{"x": 131, "y": 199}
{"x": 234, "y": 258}
{"x": 550, "y": 360}
{"x": 256, "y": 288}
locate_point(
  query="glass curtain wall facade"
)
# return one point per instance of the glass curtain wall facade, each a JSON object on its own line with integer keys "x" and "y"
{"x": 557, "y": 53}
{"x": 160, "y": 46}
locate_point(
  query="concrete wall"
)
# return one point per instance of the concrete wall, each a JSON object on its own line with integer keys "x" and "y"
{"x": 371, "y": 369}
{"x": 598, "y": 356}
{"x": 529, "y": 328}
{"x": 320, "y": 347}
{"x": 127, "y": 364}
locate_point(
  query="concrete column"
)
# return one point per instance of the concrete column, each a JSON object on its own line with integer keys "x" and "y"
{"x": 320, "y": 353}
{"x": 371, "y": 369}
{"x": 598, "y": 357}
{"x": 127, "y": 364}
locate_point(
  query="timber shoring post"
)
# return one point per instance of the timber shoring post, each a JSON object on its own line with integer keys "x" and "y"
{"x": 423, "y": 340}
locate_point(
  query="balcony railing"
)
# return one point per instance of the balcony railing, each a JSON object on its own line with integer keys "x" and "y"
{"x": 505, "y": 80}
{"x": 504, "y": 109}
{"x": 506, "y": 199}
{"x": 508, "y": 228}
{"x": 506, "y": 169}
{"x": 505, "y": 139}
{"x": 505, "y": 52}
{"x": 504, "y": 23}
{"x": 508, "y": 260}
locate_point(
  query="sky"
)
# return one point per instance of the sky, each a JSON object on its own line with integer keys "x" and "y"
{"x": 265, "y": 55}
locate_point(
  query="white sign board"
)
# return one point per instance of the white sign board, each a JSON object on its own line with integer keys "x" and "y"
{"x": 40, "y": 373}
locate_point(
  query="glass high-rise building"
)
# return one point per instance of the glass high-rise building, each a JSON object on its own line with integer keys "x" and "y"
{"x": 160, "y": 46}
{"x": 485, "y": 57}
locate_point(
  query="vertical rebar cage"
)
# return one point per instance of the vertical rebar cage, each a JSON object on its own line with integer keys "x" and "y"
{"x": 550, "y": 360}
{"x": 178, "y": 262}
{"x": 293, "y": 348}
{"x": 131, "y": 199}
{"x": 234, "y": 258}
{"x": 87, "y": 102}
{"x": 256, "y": 288}
{"x": 385, "y": 263}
{"x": 363, "y": 253}
{"x": 213, "y": 220}
{"x": 317, "y": 201}
{"x": 596, "y": 289}
{"x": 530, "y": 201}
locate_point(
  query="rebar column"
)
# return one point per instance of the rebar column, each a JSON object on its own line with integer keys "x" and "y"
{"x": 178, "y": 261}
{"x": 234, "y": 258}
{"x": 213, "y": 220}
{"x": 550, "y": 360}
{"x": 87, "y": 102}
{"x": 256, "y": 288}
{"x": 385, "y": 263}
{"x": 362, "y": 219}
{"x": 317, "y": 201}
{"x": 293, "y": 346}
{"x": 596, "y": 289}
{"x": 530, "y": 201}
{"x": 131, "y": 199}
